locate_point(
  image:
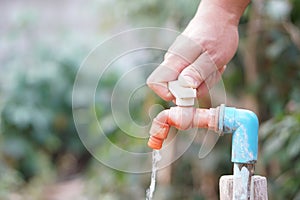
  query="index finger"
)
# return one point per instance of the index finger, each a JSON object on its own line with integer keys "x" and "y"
{"x": 181, "y": 53}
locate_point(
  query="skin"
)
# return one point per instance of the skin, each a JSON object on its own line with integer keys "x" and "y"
{"x": 199, "y": 55}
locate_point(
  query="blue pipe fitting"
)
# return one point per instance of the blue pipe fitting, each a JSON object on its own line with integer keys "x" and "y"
{"x": 243, "y": 124}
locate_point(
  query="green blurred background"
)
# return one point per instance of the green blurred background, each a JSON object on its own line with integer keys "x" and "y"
{"x": 42, "y": 44}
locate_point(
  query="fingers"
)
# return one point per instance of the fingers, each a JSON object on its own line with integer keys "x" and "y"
{"x": 184, "y": 49}
{"x": 210, "y": 81}
{"x": 182, "y": 53}
{"x": 202, "y": 74}
{"x": 187, "y": 62}
{"x": 158, "y": 81}
{"x": 199, "y": 70}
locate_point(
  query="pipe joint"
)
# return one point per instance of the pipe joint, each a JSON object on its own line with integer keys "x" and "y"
{"x": 243, "y": 124}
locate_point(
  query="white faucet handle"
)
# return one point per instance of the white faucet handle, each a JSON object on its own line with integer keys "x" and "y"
{"x": 185, "y": 96}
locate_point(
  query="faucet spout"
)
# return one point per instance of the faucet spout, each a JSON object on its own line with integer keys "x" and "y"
{"x": 181, "y": 118}
{"x": 159, "y": 130}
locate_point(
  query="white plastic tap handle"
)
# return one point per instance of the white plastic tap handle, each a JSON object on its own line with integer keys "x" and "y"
{"x": 185, "y": 96}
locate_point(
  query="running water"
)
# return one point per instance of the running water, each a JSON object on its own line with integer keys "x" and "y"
{"x": 155, "y": 159}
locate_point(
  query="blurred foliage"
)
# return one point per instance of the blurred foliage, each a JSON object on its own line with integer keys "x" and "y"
{"x": 37, "y": 115}
{"x": 10, "y": 180}
{"x": 38, "y": 139}
{"x": 102, "y": 184}
{"x": 175, "y": 13}
{"x": 281, "y": 155}
{"x": 277, "y": 57}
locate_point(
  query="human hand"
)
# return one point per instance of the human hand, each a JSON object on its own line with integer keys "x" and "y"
{"x": 199, "y": 55}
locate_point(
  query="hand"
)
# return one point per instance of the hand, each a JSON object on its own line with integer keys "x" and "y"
{"x": 199, "y": 55}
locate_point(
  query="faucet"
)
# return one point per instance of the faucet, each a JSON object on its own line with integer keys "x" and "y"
{"x": 242, "y": 124}
{"x": 182, "y": 117}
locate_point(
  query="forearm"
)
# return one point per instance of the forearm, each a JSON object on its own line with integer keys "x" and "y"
{"x": 226, "y": 8}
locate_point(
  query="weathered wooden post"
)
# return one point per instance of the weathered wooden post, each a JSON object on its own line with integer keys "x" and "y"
{"x": 258, "y": 188}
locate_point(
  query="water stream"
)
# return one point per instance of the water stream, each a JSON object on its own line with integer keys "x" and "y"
{"x": 155, "y": 159}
